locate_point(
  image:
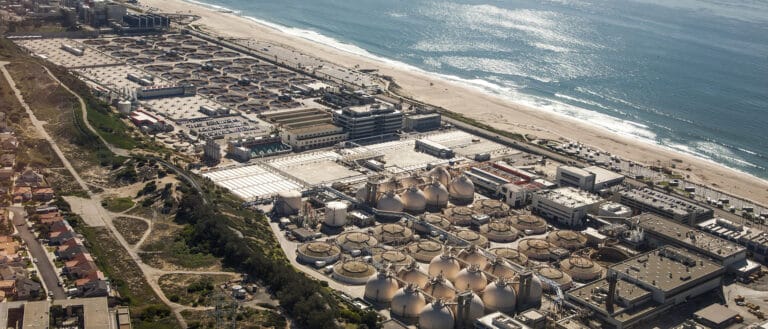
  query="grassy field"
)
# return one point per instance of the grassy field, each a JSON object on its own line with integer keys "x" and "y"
{"x": 192, "y": 290}
{"x": 167, "y": 249}
{"x": 131, "y": 229}
{"x": 245, "y": 318}
{"x": 115, "y": 204}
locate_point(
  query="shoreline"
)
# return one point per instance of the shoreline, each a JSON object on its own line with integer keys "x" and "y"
{"x": 473, "y": 101}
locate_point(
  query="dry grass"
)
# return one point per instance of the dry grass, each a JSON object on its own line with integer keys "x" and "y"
{"x": 193, "y": 289}
{"x": 131, "y": 229}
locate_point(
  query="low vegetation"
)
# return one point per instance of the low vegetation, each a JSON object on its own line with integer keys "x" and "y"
{"x": 117, "y": 204}
{"x": 193, "y": 290}
{"x": 167, "y": 249}
{"x": 245, "y": 318}
{"x": 132, "y": 229}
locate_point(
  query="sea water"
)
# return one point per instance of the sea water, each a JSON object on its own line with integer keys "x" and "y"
{"x": 691, "y": 75}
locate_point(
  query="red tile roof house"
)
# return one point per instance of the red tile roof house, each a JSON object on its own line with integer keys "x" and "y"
{"x": 22, "y": 194}
{"x": 42, "y": 194}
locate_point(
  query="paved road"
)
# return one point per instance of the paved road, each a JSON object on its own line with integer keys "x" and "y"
{"x": 45, "y": 269}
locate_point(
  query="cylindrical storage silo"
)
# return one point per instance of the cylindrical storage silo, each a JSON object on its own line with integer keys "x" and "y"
{"x": 436, "y": 315}
{"x": 124, "y": 107}
{"x": 335, "y": 214}
{"x": 288, "y": 203}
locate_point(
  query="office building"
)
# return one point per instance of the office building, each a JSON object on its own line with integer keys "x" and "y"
{"x": 755, "y": 240}
{"x": 665, "y": 205}
{"x": 422, "y": 122}
{"x": 566, "y": 205}
{"x": 568, "y": 176}
{"x": 369, "y": 120}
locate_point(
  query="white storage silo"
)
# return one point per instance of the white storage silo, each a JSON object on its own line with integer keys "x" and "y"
{"x": 335, "y": 214}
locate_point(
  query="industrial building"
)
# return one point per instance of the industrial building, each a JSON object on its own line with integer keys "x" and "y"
{"x": 317, "y": 136}
{"x": 422, "y": 122}
{"x": 369, "y": 120}
{"x": 755, "y": 240}
{"x": 148, "y": 122}
{"x": 590, "y": 179}
{"x": 244, "y": 149}
{"x": 645, "y": 286}
{"x": 566, "y": 205}
{"x": 152, "y": 92}
{"x": 88, "y": 313}
{"x": 661, "y": 231}
{"x": 212, "y": 151}
{"x": 433, "y": 148}
{"x": 568, "y": 176}
{"x": 665, "y": 205}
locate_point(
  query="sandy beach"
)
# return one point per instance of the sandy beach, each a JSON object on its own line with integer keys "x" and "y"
{"x": 473, "y": 103}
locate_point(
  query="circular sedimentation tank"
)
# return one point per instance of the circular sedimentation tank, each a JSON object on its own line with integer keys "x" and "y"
{"x": 353, "y": 272}
{"x": 315, "y": 251}
{"x": 393, "y": 233}
{"x": 413, "y": 275}
{"x": 557, "y": 276}
{"x": 581, "y": 269}
{"x": 537, "y": 249}
{"x": 424, "y": 250}
{"x": 511, "y": 255}
{"x": 432, "y": 219}
{"x": 498, "y": 231}
{"x": 407, "y": 303}
{"x": 490, "y": 207}
{"x": 471, "y": 278}
{"x": 436, "y": 315}
{"x": 381, "y": 287}
{"x": 460, "y": 216}
{"x": 440, "y": 288}
{"x": 461, "y": 190}
{"x": 472, "y": 237}
{"x": 500, "y": 268}
{"x": 349, "y": 241}
{"x": 500, "y": 296}
{"x": 473, "y": 256}
{"x": 446, "y": 265}
{"x": 396, "y": 258}
{"x": 528, "y": 223}
{"x": 567, "y": 239}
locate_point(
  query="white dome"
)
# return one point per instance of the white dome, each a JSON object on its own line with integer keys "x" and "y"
{"x": 412, "y": 275}
{"x": 533, "y": 295}
{"x": 500, "y": 268}
{"x": 438, "y": 287}
{"x": 473, "y": 256}
{"x": 500, "y": 296}
{"x": 407, "y": 302}
{"x": 436, "y": 315}
{"x": 381, "y": 288}
{"x": 441, "y": 175}
{"x": 445, "y": 264}
{"x": 436, "y": 194}
{"x": 476, "y": 310}
{"x": 462, "y": 189}
{"x": 471, "y": 278}
{"x": 390, "y": 202}
{"x": 414, "y": 200}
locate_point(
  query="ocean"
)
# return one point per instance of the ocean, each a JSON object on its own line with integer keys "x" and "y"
{"x": 690, "y": 75}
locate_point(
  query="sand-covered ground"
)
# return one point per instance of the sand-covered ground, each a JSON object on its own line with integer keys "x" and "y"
{"x": 473, "y": 103}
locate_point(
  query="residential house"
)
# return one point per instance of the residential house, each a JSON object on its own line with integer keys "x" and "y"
{"x": 27, "y": 289}
{"x": 98, "y": 288}
{"x": 12, "y": 272}
{"x": 42, "y": 194}
{"x": 30, "y": 178}
{"x": 70, "y": 252}
{"x": 58, "y": 238}
{"x": 6, "y": 173}
{"x": 8, "y": 287}
{"x": 22, "y": 194}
